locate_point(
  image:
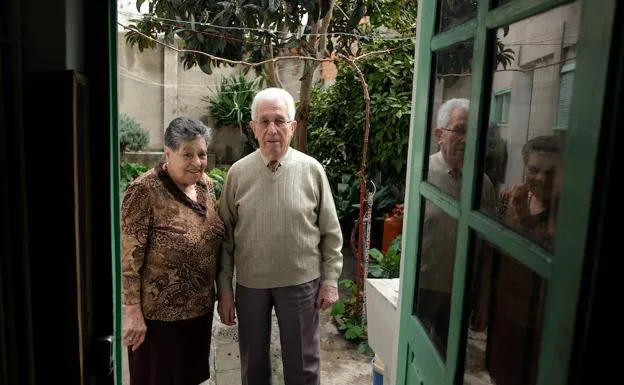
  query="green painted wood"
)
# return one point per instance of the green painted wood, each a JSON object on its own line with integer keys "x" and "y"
{"x": 483, "y": 48}
{"x": 512, "y": 243}
{"x": 458, "y": 34}
{"x": 576, "y": 219}
{"x": 409, "y": 330}
{"x": 440, "y": 199}
{"x": 518, "y": 10}
{"x": 418, "y": 360}
{"x": 114, "y": 191}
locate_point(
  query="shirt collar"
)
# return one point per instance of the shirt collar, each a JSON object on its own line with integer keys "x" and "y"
{"x": 454, "y": 173}
{"x": 279, "y": 161}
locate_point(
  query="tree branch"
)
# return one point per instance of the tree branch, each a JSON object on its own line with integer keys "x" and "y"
{"x": 324, "y": 27}
{"x": 233, "y": 62}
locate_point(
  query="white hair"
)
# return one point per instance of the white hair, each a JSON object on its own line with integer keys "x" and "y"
{"x": 446, "y": 109}
{"x": 274, "y": 94}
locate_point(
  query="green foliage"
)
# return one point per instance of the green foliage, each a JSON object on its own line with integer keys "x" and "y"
{"x": 340, "y": 109}
{"x": 250, "y": 24}
{"x": 399, "y": 15}
{"x": 328, "y": 145}
{"x": 386, "y": 266}
{"x": 351, "y": 329}
{"x": 350, "y": 323}
{"x": 217, "y": 176}
{"x": 132, "y": 136}
{"x": 338, "y": 308}
{"x": 128, "y": 172}
{"x": 231, "y": 103}
{"x": 364, "y": 348}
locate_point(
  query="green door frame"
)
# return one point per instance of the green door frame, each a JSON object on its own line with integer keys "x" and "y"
{"x": 114, "y": 191}
{"x": 417, "y": 358}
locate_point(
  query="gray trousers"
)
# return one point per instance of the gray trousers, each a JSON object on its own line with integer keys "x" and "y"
{"x": 298, "y": 322}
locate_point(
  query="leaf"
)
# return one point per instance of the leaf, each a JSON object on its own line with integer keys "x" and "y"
{"x": 273, "y": 5}
{"x": 206, "y": 67}
{"x": 353, "y": 332}
{"x": 139, "y": 3}
{"x": 338, "y": 308}
{"x": 375, "y": 270}
{"x": 364, "y": 348}
{"x": 376, "y": 255}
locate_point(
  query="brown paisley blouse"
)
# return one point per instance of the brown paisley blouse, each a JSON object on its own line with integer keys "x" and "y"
{"x": 169, "y": 247}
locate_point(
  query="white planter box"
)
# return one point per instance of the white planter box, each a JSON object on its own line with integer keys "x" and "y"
{"x": 382, "y": 316}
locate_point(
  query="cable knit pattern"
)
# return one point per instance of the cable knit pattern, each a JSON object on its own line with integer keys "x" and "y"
{"x": 282, "y": 228}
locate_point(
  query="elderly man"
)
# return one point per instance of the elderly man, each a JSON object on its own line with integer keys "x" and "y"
{"x": 439, "y": 229}
{"x": 285, "y": 241}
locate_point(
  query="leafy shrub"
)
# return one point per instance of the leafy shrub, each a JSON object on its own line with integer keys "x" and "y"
{"x": 386, "y": 266}
{"x": 128, "y": 173}
{"x": 231, "y": 103}
{"x": 217, "y": 176}
{"x": 132, "y": 136}
{"x": 337, "y": 114}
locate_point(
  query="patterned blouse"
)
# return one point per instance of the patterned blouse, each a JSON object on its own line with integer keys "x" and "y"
{"x": 514, "y": 206}
{"x": 169, "y": 247}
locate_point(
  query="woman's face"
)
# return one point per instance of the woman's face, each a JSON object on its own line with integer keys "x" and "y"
{"x": 542, "y": 174}
{"x": 186, "y": 165}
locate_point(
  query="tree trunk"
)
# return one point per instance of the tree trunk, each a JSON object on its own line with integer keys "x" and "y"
{"x": 303, "y": 112}
{"x": 272, "y": 70}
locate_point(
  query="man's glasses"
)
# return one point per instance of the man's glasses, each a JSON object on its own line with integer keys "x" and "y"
{"x": 281, "y": 123}
{"x": 460, "y": 130}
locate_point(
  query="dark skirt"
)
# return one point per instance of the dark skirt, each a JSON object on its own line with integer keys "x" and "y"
{"x": 173, "y": 353}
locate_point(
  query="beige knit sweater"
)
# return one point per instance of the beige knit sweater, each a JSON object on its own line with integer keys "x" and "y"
{"x": 281, "y": 226}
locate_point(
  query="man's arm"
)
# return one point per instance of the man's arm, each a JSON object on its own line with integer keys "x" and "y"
{"x": 225, "y": 259}
{"x": 331, "y": 235}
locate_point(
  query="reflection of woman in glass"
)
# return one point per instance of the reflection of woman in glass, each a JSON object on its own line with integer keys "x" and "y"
{"x": 531, "y": 206}
{"x": 516, "y": 315}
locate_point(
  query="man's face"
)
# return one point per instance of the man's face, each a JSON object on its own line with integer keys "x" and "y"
{"x": 541, "y": 173}
{"x": 452, "y": 139}
{"x": 272, "y": 128}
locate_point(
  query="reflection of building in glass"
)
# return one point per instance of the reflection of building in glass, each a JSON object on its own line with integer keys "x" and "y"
{"x": 531, "y": 96}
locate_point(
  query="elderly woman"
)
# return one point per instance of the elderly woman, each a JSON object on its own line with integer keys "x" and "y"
{"x": 170, "y": 236}
{"x": 516, "y": 315}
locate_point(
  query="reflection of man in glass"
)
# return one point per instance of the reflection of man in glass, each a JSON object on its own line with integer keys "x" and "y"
{"x": 516, "y": 315}
{"x": 439, "y": 229}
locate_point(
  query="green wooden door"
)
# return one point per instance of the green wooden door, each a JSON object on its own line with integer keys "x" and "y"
{"x": 499, "y": 199}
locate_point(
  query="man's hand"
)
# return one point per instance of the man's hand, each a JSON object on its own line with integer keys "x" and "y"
{"x": 226, "y": 310}
{"x": 327, "y": 296}
{"x": 134, "y": 326}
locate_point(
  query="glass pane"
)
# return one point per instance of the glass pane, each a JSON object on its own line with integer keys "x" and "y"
{"x": 435, "y": 277}
{"x": 452, "y": 13}
{"x": 449, "y": 117}
{"x": 525, "y": 138}
{"x": 507, "y": 314}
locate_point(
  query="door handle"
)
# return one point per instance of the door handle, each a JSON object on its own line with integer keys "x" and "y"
{"x": 111, "y": 353}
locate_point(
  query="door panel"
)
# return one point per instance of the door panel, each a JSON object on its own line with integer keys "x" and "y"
{"x": 531, "y": 92}
{"x": 513, "y": 256}
{"x": 432, "y": 303}
{"x": 507, "y": 319}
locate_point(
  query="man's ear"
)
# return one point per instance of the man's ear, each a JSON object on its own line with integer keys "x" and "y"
{"x": 293, "y": 127}
{"x": 437, "y": 132}
{"x": 252, "y": 127}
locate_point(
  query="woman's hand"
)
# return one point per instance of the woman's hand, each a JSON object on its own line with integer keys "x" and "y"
{"x": 133, "y": 326}
{"x": 226, "y": 309}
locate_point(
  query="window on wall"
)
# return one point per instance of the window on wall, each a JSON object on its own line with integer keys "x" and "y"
{"x": 565, "y": 96}
{"x": 500, "y": 108}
